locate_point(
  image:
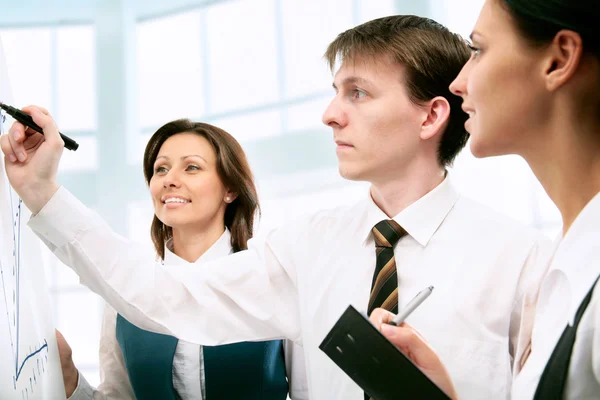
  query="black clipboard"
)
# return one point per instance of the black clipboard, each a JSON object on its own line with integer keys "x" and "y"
{"x": 374, "y": 363}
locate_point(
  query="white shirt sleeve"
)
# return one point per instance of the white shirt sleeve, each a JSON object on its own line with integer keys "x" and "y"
{"x": 247, "y": 296}
{"x": 84, "y": 391}
{"x": 296, "y": 370}
{"x": 114, "y": 381}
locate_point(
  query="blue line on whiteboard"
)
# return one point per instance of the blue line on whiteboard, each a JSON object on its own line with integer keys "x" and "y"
{"x": 7, "y": 315}
{"x": 10, "y": 332}
{"x": 17, "y": 241}
{"x": 16, "y": 225}
{"x": 15, "y": 321}
{"x": 44, "y": 346}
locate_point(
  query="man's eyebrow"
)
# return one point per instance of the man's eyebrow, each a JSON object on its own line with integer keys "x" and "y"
{"x": 474, "y": 34}
{"x": 352, "y": 80}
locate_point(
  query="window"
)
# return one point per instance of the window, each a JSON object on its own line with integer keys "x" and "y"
{"x": 308, "y": 27}
{"x": 75, "y": 78}
{"x": 170, "y": 69}
{"x": 242, "y": 54}
{"x": 84, "y": 159}
{"x": 307, "y": 115}
{"x": 458, "y": 16}
{"x": 248, "y": 127}
{"x": 31, "y": 82}
{"x": 369, "y": 9}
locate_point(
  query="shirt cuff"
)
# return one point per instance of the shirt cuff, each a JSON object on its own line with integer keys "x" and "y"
{"x": 60, "y": 219}
{"x": 84, "y": 390}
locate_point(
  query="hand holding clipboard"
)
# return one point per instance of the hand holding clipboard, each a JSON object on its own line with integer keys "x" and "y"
{"x": 377, "y": 365}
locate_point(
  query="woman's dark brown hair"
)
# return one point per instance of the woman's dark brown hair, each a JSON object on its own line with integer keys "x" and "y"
{"x": 540, "y": 20}
{"x": 234, "y": 172}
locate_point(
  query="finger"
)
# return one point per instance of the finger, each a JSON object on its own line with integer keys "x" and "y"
{"x": 410, "y": 340}
{"x": 16, "y": 137}
{"x": 399, "y": 335}
{"x": 379, "y": 317}
{"x": 27, "y": 130}
{"x": 45, "y": 121}
{"x": 414, "y": 330}
{"x": 31, "y": 107}
{"x": 7, "y": 148}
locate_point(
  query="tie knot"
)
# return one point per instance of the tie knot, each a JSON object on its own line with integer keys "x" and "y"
{"x": 387, "y": 233}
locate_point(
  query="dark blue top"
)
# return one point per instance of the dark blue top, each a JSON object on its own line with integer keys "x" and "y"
{"x": 241, "y": 371}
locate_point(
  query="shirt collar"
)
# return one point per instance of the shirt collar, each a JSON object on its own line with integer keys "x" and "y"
{"x": 220, "y": 248}
{"x": 421, "y": 219}
{"x": 578, "y": 254}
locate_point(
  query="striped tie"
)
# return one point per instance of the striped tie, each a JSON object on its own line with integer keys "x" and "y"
{"x": 384, "y": 289}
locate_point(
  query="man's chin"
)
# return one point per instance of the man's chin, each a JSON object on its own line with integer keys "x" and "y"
{"x": 350, "y": 174}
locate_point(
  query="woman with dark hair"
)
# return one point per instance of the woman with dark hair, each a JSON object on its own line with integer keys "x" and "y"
{"x": 204, "y": 202}
{"x": 532, "y": 88}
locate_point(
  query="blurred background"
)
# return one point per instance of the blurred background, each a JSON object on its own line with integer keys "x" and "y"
{"x": 112, "y": 71}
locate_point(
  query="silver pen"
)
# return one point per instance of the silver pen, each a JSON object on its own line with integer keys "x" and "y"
{"x": 411, "y": 306}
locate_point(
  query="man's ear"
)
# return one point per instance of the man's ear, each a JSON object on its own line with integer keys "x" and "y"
{"x": 438, "y": 112}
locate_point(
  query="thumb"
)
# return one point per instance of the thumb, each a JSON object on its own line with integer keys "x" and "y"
{"x": 389, "y": 331}
{"x": 415, "y": 347}
{"x": 410, "y": 341}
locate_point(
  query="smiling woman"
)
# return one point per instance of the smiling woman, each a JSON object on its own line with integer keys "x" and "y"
{"x": 206, "y": 166}
{"x": 204, "y": 202}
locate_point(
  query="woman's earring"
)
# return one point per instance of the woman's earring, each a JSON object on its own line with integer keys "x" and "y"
{"x": 228, "y": 199}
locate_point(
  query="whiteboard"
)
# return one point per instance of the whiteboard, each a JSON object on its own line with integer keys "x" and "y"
{"x": 29, "y": 362}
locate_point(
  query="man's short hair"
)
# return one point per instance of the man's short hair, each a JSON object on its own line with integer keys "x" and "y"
{"x": 432, "y": 55}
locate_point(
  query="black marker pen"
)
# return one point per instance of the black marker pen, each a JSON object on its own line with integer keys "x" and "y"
{"x": 26, "y": 120}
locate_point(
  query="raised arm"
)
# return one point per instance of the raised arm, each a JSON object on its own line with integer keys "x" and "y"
{"x": 246, "y": 296}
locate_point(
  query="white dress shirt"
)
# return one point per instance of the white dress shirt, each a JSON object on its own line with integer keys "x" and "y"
{"x": 297, "y": 283}
{"x": 188, "y": 365}
{"x": 573, "y": 270}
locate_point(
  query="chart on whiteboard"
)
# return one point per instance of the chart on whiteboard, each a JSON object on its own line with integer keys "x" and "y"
{"x": 29, "y": 366}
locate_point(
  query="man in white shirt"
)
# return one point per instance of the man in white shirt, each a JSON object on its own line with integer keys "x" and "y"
{"x": 396, "y": 126}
